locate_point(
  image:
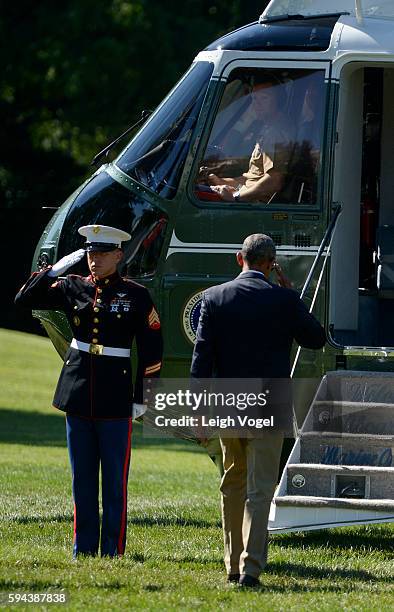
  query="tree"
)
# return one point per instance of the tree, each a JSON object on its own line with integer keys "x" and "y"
{"x": 76, "y": 74}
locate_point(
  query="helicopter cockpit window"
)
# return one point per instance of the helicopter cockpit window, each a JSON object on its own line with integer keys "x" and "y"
{"x": 265, "y": 144}
{"x": 155, "y": 157}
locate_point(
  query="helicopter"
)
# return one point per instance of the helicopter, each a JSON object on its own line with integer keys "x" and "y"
{"x": 329, "y": 67}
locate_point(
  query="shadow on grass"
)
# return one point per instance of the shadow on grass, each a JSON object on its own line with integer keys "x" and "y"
{"x": 290, "y": 570}
{"x": 39, "y": 429}
{"x": 33, "y": 428}
{"x": 54, "y": 518}
{"x": 163, "y": 521}
{"x": 303, "y": 587}
{"x": 176, "y": 521}
{"x": 309, "y": 571}
{"x": 153, "y": 588}
{"x": 363, "y": 541}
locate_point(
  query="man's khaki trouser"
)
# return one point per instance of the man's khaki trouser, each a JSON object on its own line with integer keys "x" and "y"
{"x": 250, "y": 474}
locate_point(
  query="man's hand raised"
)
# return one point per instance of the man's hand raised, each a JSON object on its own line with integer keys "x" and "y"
{"x": 283, "y": 281}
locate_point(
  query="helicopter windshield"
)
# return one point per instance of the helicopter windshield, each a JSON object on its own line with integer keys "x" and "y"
{"x": 155, "y": 157}
{"x": 104, "y": 201}
{"x": 265, "y": 144}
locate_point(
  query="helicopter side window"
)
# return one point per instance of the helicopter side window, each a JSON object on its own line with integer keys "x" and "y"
{"x": 265, "y": 144}
{"x": 156, "y": 156}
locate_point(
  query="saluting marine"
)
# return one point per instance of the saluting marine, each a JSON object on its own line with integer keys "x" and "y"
{"x": 105, "y": 312}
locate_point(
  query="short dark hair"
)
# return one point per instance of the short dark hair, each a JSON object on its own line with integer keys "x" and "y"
{"x": 258, "y": 248}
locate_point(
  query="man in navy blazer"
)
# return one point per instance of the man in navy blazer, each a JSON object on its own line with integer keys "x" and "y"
{"x": 246, "y": 330}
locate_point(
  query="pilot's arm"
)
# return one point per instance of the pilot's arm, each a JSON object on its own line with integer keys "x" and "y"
{"x": 267, "y": 185}
{"x": 221, "y": 181}
{"x": 266, "y": 173}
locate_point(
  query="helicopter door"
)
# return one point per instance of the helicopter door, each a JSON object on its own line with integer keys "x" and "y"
{"x": 362, "y": 270}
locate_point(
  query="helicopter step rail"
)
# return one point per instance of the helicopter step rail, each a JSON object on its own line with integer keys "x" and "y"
{"x": 341, "y": 469}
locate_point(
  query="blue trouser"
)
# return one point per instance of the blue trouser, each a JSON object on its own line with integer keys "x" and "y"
{"x": 91, "y": 442}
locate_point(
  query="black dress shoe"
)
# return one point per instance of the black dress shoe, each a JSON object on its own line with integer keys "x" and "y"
{"x": 233, "y": 578}
{"x": 249, "y": 581}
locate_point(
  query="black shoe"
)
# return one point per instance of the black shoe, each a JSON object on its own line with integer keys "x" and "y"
{"x": 233, "y": 578}
{"x": 249, "y": 581}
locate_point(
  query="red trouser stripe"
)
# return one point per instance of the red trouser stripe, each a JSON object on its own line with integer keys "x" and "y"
{"x": 121, "y": 542}
{"x": 75, "y": 522}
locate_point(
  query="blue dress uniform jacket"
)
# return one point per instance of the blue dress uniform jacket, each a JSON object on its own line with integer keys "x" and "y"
{"x": 106, "y": 313}
{"x": 247, "y": 327}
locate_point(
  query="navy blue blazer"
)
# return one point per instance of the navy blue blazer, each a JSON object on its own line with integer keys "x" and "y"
{"x": 247, "y": 327}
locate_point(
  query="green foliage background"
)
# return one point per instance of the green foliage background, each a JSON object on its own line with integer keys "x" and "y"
{"x": 76, "y": 73}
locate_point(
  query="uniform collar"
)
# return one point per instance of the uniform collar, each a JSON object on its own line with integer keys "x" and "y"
{"x": 108, "y": 281}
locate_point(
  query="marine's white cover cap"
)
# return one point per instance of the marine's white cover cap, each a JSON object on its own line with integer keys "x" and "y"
{"x": 103, "y": 237}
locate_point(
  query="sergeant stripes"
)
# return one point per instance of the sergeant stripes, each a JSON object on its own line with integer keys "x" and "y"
{"x": 153, "y": 319}
{"x": 152, "y": 369}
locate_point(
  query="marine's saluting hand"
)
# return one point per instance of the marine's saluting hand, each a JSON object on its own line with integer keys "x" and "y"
{"x": 66, "y": 262}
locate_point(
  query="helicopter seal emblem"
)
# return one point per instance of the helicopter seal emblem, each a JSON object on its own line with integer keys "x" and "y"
{"x": 191, "y": 315}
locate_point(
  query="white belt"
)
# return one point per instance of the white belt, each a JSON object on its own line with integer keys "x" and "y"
{"x": 99, "y": 349}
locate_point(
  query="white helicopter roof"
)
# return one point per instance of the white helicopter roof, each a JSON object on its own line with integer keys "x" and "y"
{"x": 362, "y": 28}
{"x": 381, "y": 9}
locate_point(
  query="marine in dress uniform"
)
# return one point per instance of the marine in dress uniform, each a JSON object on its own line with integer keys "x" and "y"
{"x": 106, "y": 313}
{"x": 246, "y": 330}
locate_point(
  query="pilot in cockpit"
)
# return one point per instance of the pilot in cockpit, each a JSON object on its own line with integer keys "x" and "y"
{"x": 269, "y": 159}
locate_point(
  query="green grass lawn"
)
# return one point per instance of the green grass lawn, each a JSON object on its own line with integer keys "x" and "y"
{"x": 173, "y": 557}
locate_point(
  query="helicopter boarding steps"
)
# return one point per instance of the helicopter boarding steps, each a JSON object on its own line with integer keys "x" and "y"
{"x": 341, "y": 469}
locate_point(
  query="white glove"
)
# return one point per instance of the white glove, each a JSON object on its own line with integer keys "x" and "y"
{"x": 66, "y": 262}
{"x": 138, "y": 410}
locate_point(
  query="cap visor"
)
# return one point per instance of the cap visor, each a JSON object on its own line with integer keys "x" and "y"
{"x": 100, "y": 246}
